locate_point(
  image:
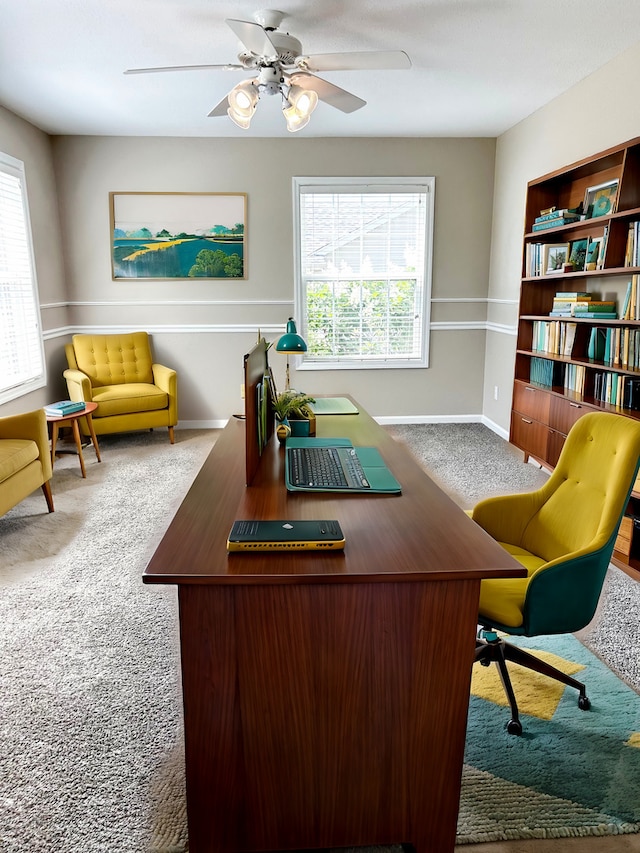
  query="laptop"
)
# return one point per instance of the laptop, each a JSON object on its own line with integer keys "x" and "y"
{"x": 335, "y": 465}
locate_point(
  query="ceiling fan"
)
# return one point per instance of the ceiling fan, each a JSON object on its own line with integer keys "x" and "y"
{"x": 282, "y": 68}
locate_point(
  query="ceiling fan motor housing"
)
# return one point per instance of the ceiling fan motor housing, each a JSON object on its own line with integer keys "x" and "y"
{"x": 287, "y": 49}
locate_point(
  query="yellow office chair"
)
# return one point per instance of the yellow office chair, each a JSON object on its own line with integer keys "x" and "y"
{"x": 118, "y": 373}
{"x": 564, "y": 535}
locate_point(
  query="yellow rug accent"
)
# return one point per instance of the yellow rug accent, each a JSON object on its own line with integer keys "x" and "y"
{"x": 537, "y": 695}
{"x": 634, "y": 740}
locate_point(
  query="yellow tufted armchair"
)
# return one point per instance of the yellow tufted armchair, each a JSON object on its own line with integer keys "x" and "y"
{"x": 118, "y": 374}
{"x": 25, "y": 458}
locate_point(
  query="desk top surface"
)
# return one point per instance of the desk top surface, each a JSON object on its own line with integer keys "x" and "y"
{"x": 418, "y": 535}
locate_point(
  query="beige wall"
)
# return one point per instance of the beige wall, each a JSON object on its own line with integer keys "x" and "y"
{"x": 601, "y": 111}
{"x": 203, "y": 328}
{"x": 25, "y": 142}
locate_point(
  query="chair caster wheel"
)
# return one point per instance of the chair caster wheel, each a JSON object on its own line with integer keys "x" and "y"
{"x": 584, "y": 703}
{"x": 514, "y": 727}
{"x": 485, "y": 662}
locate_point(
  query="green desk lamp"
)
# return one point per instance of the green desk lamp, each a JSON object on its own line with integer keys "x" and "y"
{"x": 290, "y": 342}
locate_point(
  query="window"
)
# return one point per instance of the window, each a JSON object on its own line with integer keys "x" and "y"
{"x": 21, "y": 351}
{"x": 363, "y": 270}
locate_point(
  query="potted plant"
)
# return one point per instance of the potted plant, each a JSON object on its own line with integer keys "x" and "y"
{"x": 292, "y": 410}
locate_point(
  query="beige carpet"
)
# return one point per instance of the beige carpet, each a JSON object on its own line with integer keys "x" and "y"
{"x": 90, "y": 738}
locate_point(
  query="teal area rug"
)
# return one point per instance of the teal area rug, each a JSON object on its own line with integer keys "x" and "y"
{"x": 571, "y": 773}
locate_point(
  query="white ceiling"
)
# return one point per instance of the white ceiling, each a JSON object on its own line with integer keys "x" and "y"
{"x": 478, "y": 66}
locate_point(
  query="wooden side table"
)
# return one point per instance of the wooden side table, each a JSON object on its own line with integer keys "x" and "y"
{"x": 72, "y": 421}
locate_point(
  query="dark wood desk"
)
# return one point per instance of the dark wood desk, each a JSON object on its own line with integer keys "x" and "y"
{"x": 325, "y": 693}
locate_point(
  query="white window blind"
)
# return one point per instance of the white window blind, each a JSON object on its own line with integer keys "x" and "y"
{"x": 21, "y": 351}
{"x": 363, "y": 270}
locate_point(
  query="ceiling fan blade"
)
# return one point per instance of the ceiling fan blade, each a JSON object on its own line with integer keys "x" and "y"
{"x": 226, "y": 67}
{"x": 367, "y": 60}
{"x": 220, "y": 109}
{"x": 327, "y": 92}
{"x": 254, "y": 38}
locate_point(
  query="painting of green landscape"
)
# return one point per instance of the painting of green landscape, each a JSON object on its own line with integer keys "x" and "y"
{"x": 178, "y": 235}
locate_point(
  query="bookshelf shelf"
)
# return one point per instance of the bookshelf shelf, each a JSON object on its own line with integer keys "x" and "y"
{"x": 542, "y": 414}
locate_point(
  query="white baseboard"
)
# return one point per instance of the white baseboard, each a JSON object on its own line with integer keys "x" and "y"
{"x": 386, "y": 420}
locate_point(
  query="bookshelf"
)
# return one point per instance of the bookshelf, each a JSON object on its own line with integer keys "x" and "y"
{"x": 574, "y": 362}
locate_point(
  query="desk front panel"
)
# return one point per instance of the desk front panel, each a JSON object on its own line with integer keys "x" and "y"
{"x": 325, "y": 715}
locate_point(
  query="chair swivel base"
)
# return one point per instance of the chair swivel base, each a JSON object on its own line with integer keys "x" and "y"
{"x": 492, "y": 648}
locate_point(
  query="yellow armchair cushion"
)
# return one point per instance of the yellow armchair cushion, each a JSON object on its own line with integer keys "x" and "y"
{"x": 114, "y": 359}
{"x": 15, "y": 454}
{"x": 128, "y": 399}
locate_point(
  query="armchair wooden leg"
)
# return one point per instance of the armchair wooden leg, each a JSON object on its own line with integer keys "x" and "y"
{"x": 171, "y": 437}
{"x": 46, "y": 488}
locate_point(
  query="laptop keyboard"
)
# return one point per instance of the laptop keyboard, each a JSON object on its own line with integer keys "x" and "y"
{"x": 326, "y": 468}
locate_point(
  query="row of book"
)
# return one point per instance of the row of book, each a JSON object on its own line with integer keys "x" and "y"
{"x": 631, "y": 305}
{"x": 545, "y": 371}
{"x": 617, "y": 389}
{"x": 615, "y": 346}
{"x": 62, "y": 408}
{"x": 632, "y": 252}
{"x": 574, "y": 377}
{"x": 553, "y": 337}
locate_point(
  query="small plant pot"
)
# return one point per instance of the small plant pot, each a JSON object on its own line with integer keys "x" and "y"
{"x": 299, "y": 427}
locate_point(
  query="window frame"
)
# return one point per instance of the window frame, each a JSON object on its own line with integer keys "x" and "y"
{"x": 12, "y": 166}
{"x": 421, "y": 184}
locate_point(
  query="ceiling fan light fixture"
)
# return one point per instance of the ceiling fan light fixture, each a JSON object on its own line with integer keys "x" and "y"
{"x": 302, "y": 102}
{"x": 294, "y": 120}
{"x": 242, "y": 122}
{"x": 243, "y": 99}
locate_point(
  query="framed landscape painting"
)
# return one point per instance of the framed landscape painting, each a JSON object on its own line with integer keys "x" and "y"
{"x": 178, "y": 235}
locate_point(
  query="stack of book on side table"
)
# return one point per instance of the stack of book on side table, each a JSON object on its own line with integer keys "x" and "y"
{"x": 62, "y": 408}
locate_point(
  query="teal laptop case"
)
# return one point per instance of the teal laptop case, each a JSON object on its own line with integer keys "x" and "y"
{"x": 381, "y": 480}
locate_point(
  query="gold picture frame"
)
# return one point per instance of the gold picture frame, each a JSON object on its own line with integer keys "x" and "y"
{"x": 191, "y": 236}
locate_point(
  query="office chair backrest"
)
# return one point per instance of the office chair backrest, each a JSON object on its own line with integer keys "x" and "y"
{"x": 588, "y": 490}
{"x": 112, "y": 359}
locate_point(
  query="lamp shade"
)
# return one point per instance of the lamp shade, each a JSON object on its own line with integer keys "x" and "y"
{"x": 301, "y": 104}
{"x": 242, "y": 100}
{"x": 291, "y": 340}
